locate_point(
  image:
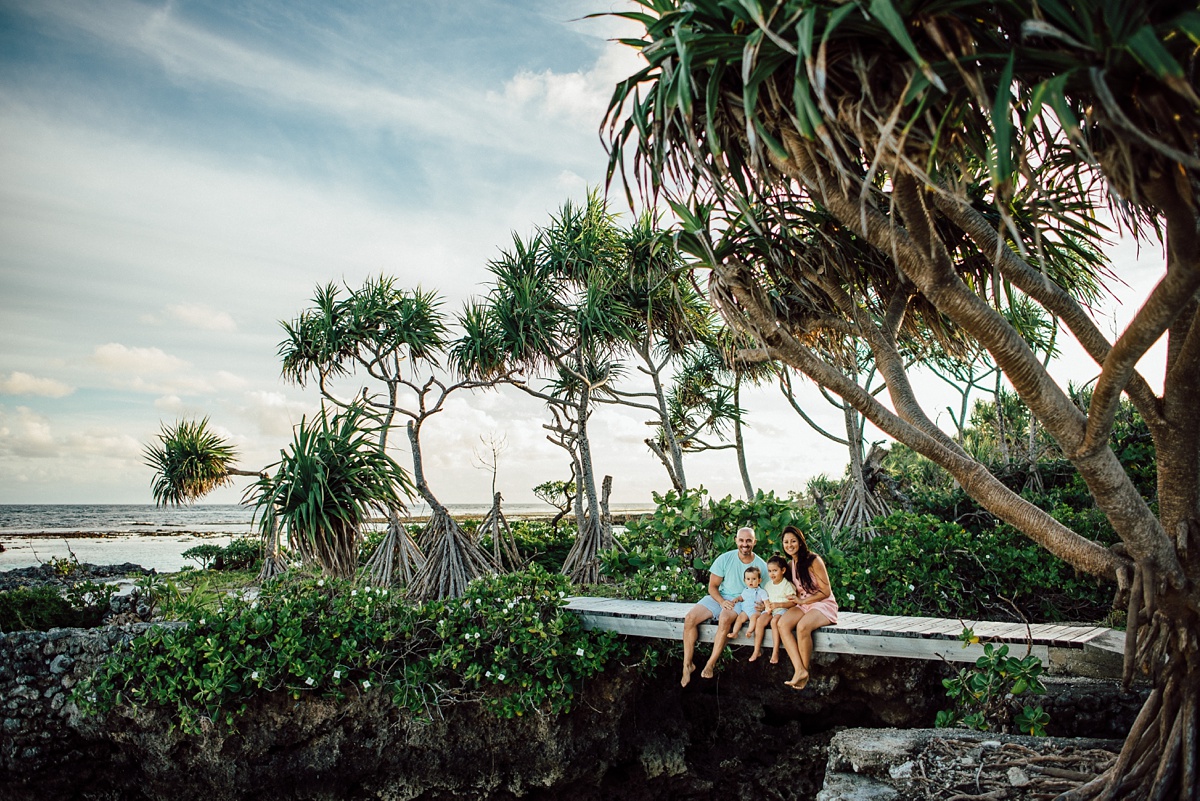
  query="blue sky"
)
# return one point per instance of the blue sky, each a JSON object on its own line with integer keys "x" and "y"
{"x": 177, "y": 177}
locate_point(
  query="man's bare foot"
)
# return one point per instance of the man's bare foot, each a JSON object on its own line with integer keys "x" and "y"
{"x": 687, "y": 674}
{"x": 754, "y": 656}
{"x": 707, "y": 672}
{"x": 799, "y": 680}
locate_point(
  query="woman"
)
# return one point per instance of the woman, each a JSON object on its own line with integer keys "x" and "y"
{"x": 815, "y": 604}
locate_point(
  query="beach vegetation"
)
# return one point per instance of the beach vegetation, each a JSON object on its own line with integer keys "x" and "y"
{"x": 190, "y": 461}
{"x": 903, "y": 173}
{"x": 327, "y": 483}
{"x": 991, "y": 694}
{"x": 392, "y": 340}
{"x": 242, "y": 553}
{"x": 508, "y": 643}
{"x": 40, "y": 608}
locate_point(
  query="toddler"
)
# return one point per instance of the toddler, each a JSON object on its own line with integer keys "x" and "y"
{"x": 747, "y": 601}
{"x": 781, "y": 594}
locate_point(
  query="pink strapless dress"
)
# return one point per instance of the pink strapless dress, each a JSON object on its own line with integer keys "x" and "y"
{"x": 826, "y": 606}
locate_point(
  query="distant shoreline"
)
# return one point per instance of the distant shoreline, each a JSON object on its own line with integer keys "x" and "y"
{"x": 619, "y": 518}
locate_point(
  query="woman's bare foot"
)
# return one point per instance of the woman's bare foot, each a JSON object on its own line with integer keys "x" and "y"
{"x": 799, "y": 680}
{"x": 687, "y": 674}
{"x": 754, "y": 656}
{"x": 707, "y": 672}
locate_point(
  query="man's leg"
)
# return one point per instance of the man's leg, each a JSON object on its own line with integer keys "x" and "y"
{"x": 723, "y": 624}
{"x": 700, "y": 613}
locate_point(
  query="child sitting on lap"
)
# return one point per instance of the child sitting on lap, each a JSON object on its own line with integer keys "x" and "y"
{"x": 781, "y": 595}
{"x": 747, "y": 601}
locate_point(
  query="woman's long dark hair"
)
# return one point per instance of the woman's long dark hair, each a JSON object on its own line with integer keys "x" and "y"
{"x": 802, "y": 568}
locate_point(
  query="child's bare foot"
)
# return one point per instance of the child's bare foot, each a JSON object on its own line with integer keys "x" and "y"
{"x": 775, "y": 658}
{"x": 687, "y": 674}
{"x": 735, "y": 633}
{"x": 707, "y": 672}
{"x": 754, "y": 656}
{"x": 799, "y": 680}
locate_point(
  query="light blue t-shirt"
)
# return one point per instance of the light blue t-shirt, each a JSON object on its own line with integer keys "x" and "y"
{"x": 731, "y": 569}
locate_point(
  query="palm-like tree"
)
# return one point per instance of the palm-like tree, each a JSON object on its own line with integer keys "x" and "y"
{"x": 189, "y": 462}
{"x": 554, "y": 313}
{"x": 970, "y": 145}
{"x": 394, "y": 338}
{"x": 326, "y": 485}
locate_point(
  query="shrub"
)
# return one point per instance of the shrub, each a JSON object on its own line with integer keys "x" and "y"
{"x": 985, "y": 695}
{"x": 81, "y": 605}
{"x": 508, "y": 642}
{"x": 920, "y": 565}
{"x": 244, "y": 553}
{"x": 662, "y": 584}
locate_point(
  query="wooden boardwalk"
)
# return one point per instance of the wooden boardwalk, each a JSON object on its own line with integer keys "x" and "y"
{"x": 1092, "y": 651}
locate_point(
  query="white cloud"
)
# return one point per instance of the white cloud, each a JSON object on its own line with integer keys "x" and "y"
{"x": 117, "y": 358}
{"x": 274, "y": 413}
{"x": 197, "y": 315}
{"x": 18, "y": 383}
{"x": 26, "y": 434}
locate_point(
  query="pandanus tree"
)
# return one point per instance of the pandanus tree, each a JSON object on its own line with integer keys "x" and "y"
{"x": 667, "y": 318}
{"x": 394, "y": 339}
{"x": 553, "y": 321}
{"x": 971, "y": 145}
{"x": 326, "y": 486}
{"x": 322, "y": 489}
{"x": 190, "y": 461}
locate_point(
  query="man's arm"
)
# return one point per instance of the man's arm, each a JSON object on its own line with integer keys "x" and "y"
{"x": 714, "y": 590}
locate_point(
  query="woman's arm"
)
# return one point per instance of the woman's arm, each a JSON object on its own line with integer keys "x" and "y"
{"x": 821, "y": 579}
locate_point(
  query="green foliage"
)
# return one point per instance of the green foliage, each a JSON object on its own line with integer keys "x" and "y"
{"x": 615, "y": 562}
{"x": 508, "y": 643}
{"x": 81, "y": 605}
{"x": 189, "y": 462}
{"x": 538, "y": 542}
{"x": 661, "y": 584}
{"x": 985, "y": 695}
{"x": 692, "y": 527}
{"x": 510, "y": 638}
{"x": 243, "y": 553}
{"x": 327, "y": 483}
{"x": 923, "y": 566}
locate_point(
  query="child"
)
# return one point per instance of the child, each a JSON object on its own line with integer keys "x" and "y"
{"x": 747, "y": 601}
{"x": 781, "y": 595}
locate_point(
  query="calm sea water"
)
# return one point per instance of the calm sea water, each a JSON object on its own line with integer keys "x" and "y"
{"x": 147, "y": 535}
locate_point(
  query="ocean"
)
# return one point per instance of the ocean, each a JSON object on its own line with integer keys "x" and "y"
{"x": 153, "y": 537}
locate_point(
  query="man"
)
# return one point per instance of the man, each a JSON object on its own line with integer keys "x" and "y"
{"x": 725, "y": 583}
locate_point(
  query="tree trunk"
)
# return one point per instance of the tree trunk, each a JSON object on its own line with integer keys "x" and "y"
{"x": 739, "y": 443}
{"x": 674, "y": 451}
{"x": 582, "y": 564}
{"x": 453, "y": 557}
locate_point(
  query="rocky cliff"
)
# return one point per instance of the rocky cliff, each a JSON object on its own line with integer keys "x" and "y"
{"x": 634, "y": 734}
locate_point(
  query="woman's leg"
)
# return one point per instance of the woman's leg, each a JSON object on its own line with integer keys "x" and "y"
{"x": 811, "y": 621}
{"x": 787, "y": 631}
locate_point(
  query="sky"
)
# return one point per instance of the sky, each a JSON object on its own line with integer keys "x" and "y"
{"x": 176, "y": 178}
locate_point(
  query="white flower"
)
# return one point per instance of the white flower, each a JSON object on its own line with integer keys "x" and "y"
{"x": 477, "y": 635}
{"x": 337, "y": 674}
{"x": 488, "y": 674}
{"x": 353, "y": 593}
{"x": 309, "y": 681}
{"x": 578, "y": 652}
{"x": 254, "y": 675}
{"x": 911, "y": 588}
{"x": 562, "y": 594}
{"x": 467, "y": 636}
{"x": 320, "y": 582}
{"x": 500, "y": 677}
{"x": 366, "y": 685}
{"x": 201, "y": 621}
{"x": 254, "y": 605}
{"x": 383, "y": 592}
{"x": 868, "y": 571}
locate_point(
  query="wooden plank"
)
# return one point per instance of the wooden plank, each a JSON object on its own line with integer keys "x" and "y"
{"x": 902, "y": 647}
